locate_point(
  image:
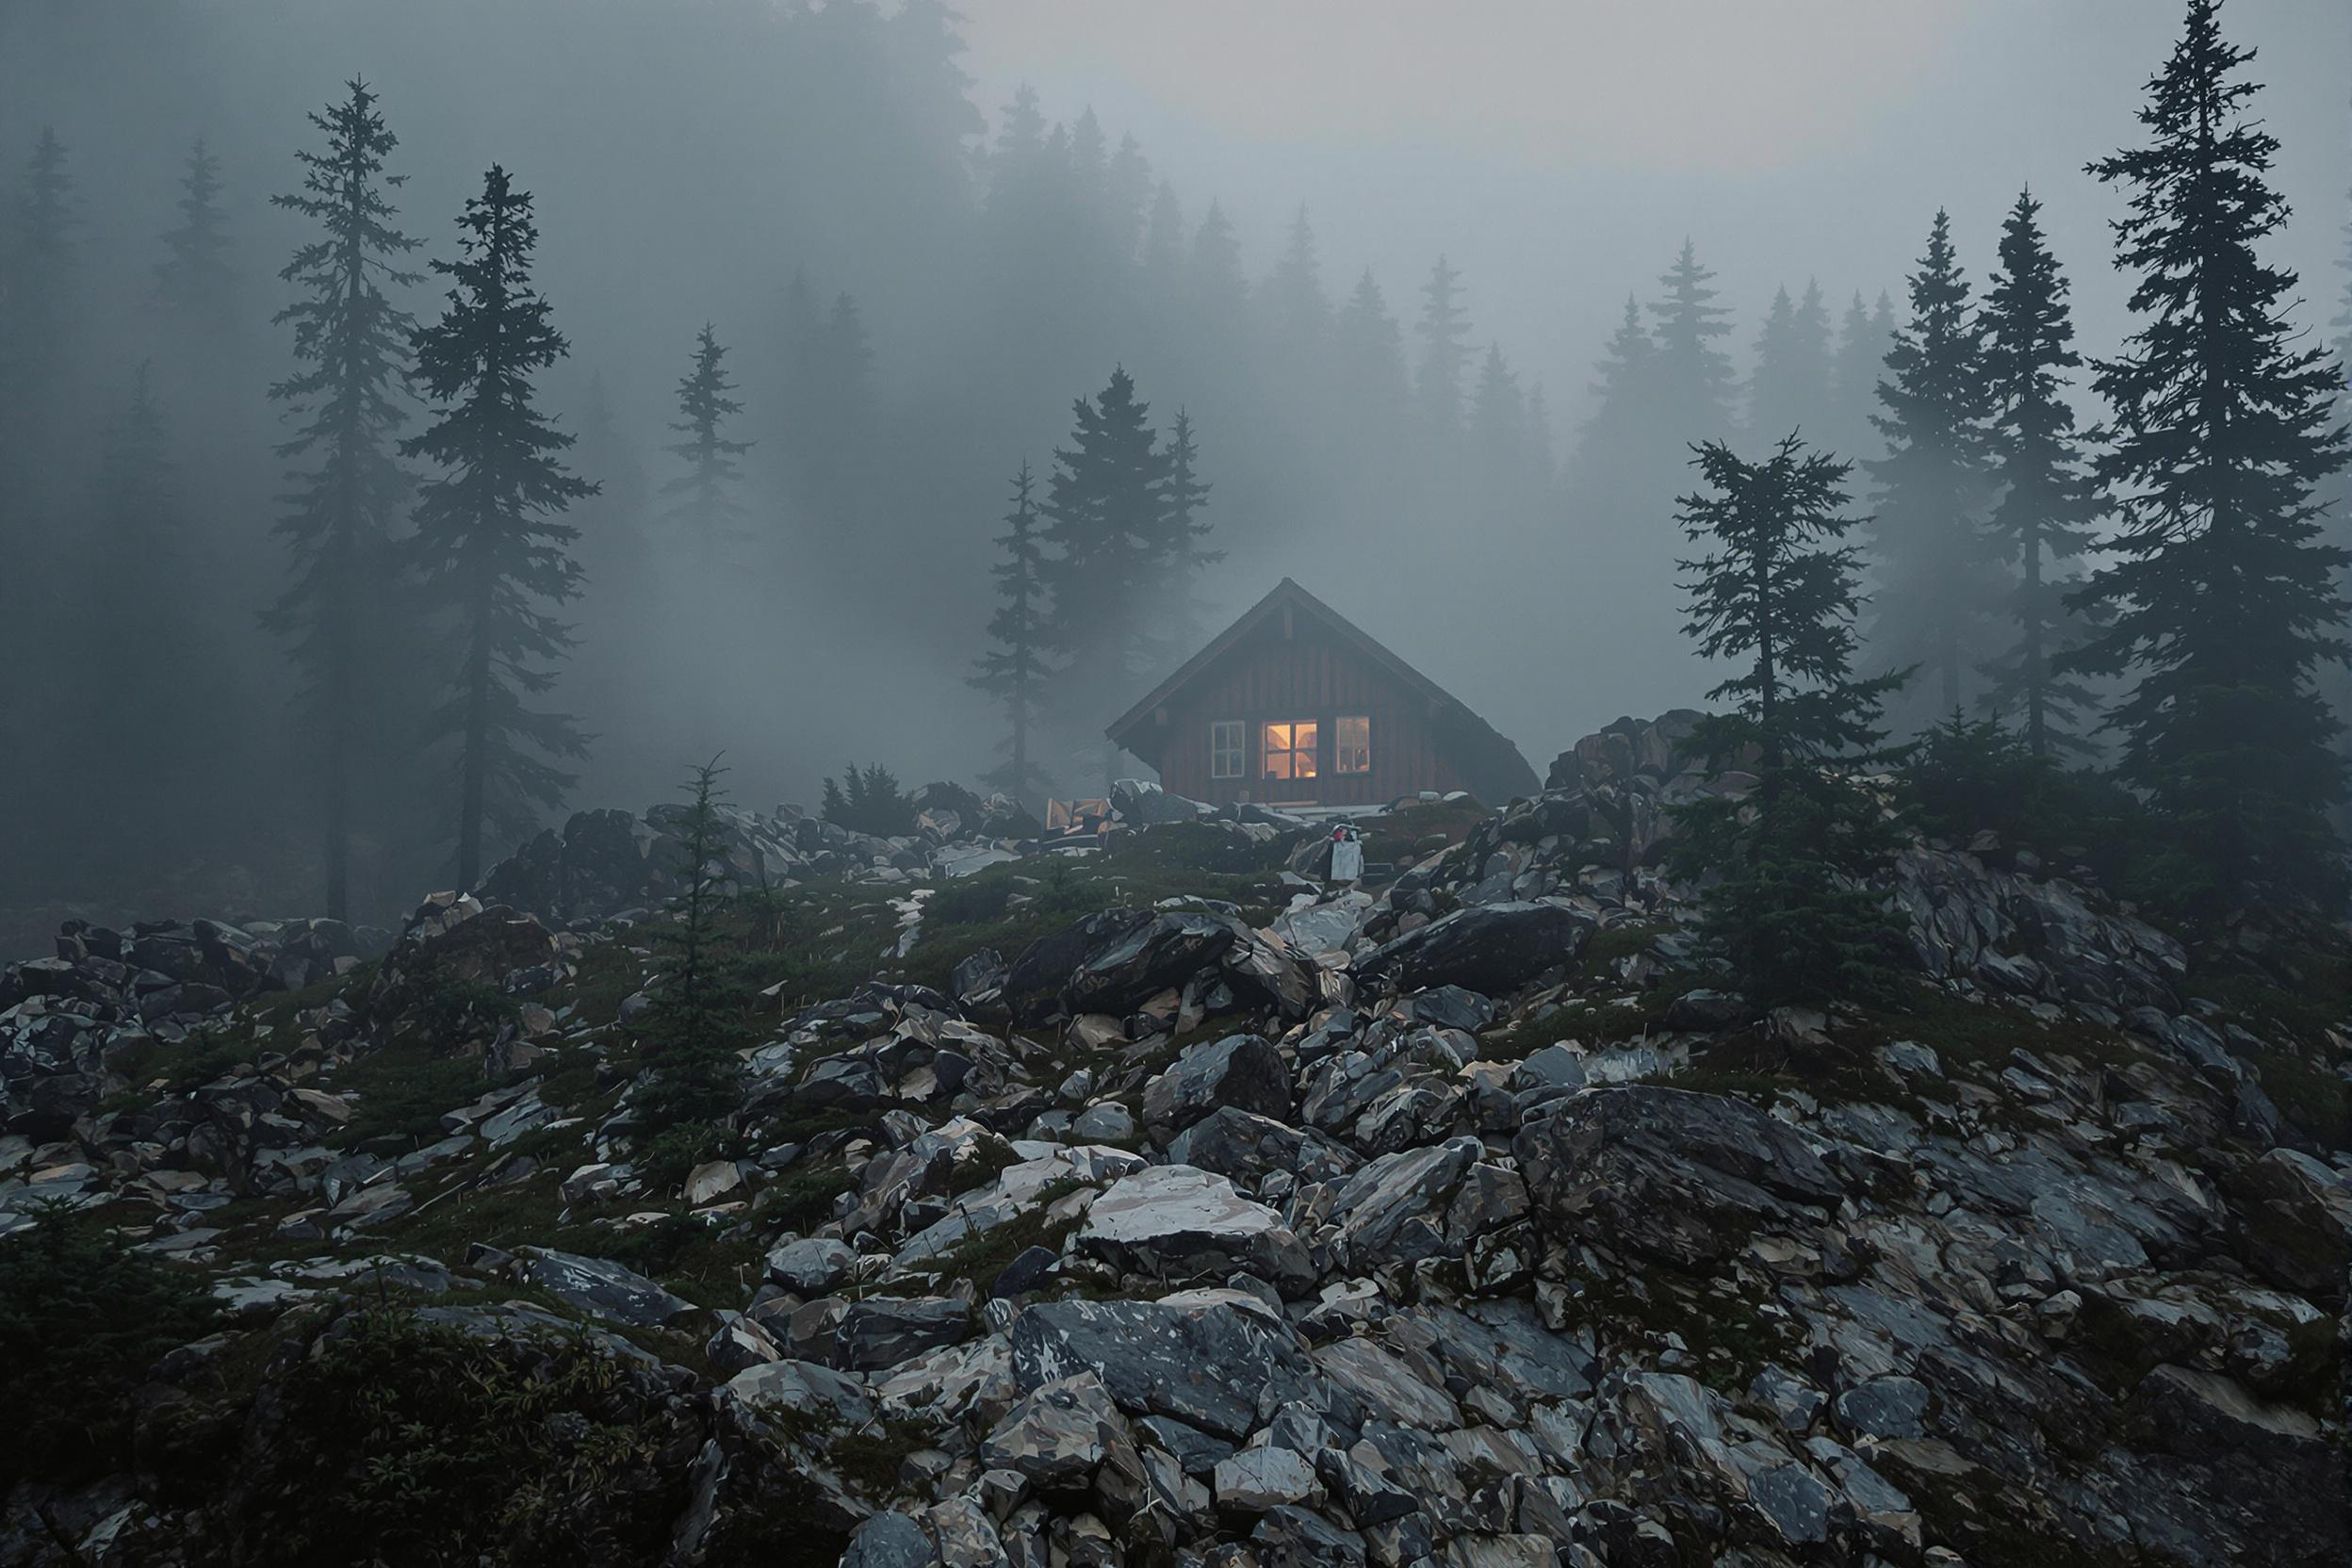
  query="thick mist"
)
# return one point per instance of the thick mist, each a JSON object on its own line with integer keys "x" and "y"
{"x": 921, "y": 237}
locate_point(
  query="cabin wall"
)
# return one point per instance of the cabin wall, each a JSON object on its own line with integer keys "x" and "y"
{"x": 1306, "y": 674}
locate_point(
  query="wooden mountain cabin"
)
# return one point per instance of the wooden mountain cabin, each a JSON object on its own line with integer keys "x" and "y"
{"x": 1295, "y": 705}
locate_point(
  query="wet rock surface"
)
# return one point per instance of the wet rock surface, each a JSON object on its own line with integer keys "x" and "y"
{"x": 1465, "y": 1221}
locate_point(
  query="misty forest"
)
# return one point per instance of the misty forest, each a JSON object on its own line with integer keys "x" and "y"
{"x": 768, "y": 419}
{"x": 1083, "y": 786}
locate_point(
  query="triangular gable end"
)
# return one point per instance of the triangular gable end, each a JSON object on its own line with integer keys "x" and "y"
{"x": 1490, "y": 765}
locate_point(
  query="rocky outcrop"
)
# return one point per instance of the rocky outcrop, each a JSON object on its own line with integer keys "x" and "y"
{"x": 1684, "y": 1179}
{"x": 1395, "y": 1227}
{"x": 2048, "y": 940}
{"x": 607, "y": 863}
{"x": 107, "y": 998}
{"x": 1242, "y": 1073}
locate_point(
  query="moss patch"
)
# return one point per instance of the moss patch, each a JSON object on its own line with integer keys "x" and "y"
{"x": 401, "y": 1090}
{"x": 1728, "y": 1327}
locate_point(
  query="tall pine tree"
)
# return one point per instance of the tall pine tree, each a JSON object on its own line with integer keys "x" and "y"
{"x": 1498, "y": 418}
{"x": 153, "y": 693}
{"x": 1297, "y": 311}
{"x": 38, "y": 299}
{"x": 1214, "y": 283}
{"x": 194, "y": 279}
{"x": 2044, "y": 519}
{"x": 344, "y": 488}
{"x": 42, "y": 275}
{"x": 1864, "y": 338}
{"x": 1790, "y": 388}
{"x": 1106, "y": 521}
{"x": 1625, "y": 408}
{"x": 1790, "y": 906}
{"x": 1938, "y": 581}
{"x": 487, "y": 534}
{"x": 1629, "y": 461}
{"x": 1693, "y": 375}
{"x": 1370, "y": 358}
{"x": 1445, "y": 334}
{"x": 2225, "y": 593}
{"x": 2343, "y": 325}
{"x": 704, "y": 509}
{"x": 693, "y": 1029}
{"x": 1015, "y": 669}
{"x": 1179, "y": 551}
{"x": 1164, "y": 245}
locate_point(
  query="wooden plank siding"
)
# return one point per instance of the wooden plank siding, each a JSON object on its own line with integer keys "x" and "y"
{"x": 1295, "y": 672}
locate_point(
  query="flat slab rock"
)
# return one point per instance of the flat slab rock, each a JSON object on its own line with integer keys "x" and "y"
{"x": 1165, "y": 1201}
{"x": 1684, "y": 1178}
{"x": 1178, "y": 1223}
{"x": 1214, "y": 1367}
{"x": 601, "y": 1289}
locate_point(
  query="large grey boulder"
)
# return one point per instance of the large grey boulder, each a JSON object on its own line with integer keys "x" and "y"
{"x": 888, "y": 1540}
{"x": 2295, "y": 1223}
{"x": 1687, "y": 1179}
{"x": 1491, "y": 949}
{"x": 1291, "y": 1537}
{"x": 1133, "y": 963}
{"x": 1032, "y": 989}
{"x": 1219, "y": 1366}
{"x": 2241, "y": 1480}
{"x": 1180, "y": 1225}
{"x": 1141, "y": 804}
{"x": 812, "y": 1266}
{"x": 1423, "y": 1203}
{"x": 805, "y": 1388}
{"x": 1256, "y": 1480}
{"x": 880, "y": 1331}
{"x": 1240, "y": 1071}
{"x": 1249, "y": 1148}
{"x": 1059, "y": 1436}
{"x": 600, "y": 1287}
{"x": 978, "y": 978}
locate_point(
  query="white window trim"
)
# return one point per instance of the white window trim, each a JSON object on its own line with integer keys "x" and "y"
{"x": 1238, "y": 751}
{"x": 1339, "y": 756}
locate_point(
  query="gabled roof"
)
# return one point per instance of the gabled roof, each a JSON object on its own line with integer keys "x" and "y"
{"x": 1488, "y": 753}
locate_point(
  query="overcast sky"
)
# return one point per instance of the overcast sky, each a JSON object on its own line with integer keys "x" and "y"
{"x": 1562, "y": 148}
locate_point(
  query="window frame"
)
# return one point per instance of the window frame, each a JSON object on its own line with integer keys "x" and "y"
{"x": 1340, "y": 749}
{"x": 1238, "y": 751}
{"x": 1311, "y": 751}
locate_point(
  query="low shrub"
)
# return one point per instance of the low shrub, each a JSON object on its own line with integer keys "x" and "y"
{"x": 82, "y": 1320}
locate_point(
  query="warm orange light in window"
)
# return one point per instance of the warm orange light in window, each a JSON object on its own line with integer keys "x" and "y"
{"x": 1289, "y": 749}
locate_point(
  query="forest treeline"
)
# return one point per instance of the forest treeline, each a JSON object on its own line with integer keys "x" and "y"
{"x": 350, "y": 551}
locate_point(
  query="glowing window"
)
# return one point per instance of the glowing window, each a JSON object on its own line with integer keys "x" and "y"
{"x": 1351, "y": 748}
{"x": 1290, "y": 749}
{"x": 1226, "y": 741}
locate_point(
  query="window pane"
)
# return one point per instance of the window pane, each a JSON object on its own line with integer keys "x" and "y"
{"x": 1351, "y": 751}
{"x": 1303, "y": 764}
{"x": 1278, "y": 764}
{"x": 1225, "y": 747}
{"x": 1276, "y": 737}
